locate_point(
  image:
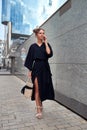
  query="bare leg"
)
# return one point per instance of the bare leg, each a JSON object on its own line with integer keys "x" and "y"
{"x": 37, "y": 97}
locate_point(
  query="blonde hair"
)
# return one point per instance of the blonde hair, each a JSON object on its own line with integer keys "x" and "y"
{"x": 36, "y": 30}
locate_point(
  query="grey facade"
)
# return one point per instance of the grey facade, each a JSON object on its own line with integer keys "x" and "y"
{"x": 67, "y": 33}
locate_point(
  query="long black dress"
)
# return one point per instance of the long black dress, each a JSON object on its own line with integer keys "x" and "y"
{"x": 37, "y": 62}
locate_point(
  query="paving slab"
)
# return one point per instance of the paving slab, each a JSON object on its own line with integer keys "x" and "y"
{"x": 18, "y": 113}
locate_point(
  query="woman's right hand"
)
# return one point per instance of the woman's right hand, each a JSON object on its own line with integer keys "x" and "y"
{"x": 29, "y": 74}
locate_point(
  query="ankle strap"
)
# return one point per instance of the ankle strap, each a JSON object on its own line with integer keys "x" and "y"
{"x": 39, "y": 107}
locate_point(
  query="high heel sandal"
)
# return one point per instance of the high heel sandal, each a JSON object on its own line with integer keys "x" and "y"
{"x": 39, "y": 114}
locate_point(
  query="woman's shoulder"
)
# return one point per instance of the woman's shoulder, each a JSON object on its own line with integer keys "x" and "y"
{"x": 32, "y": 45}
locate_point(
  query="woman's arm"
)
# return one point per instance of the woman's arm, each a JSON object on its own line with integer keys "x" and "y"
{"x": 29, "y": 59}
{"x": 46, "y": 45}
{"x": 48, "y": 48}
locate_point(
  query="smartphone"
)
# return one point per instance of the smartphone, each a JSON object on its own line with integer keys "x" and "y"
{"x": 44, "y": 38}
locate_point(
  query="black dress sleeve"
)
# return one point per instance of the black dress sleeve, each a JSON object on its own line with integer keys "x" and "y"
{"x": 29, "y": 59}
{"x": 51, "y": 52}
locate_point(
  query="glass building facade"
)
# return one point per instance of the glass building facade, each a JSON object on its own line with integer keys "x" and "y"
{"x": 27, "y": 14}
{"x": 5, "y": 11}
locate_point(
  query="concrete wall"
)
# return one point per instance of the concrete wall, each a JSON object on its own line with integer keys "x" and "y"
{"x": 67, "y": 33}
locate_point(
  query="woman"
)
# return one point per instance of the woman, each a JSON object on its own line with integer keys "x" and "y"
{"x": 39, "y": 70}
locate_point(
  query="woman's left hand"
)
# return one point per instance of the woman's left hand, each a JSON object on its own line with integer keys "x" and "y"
{"x": 45, "y": 39}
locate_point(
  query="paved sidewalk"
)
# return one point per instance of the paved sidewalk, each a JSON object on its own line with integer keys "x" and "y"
{"x": 4, "y": 72}
{"x": 18, "y": 113}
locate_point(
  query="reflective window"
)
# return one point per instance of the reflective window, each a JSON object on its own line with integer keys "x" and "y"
{"x": 27, "y": 14}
